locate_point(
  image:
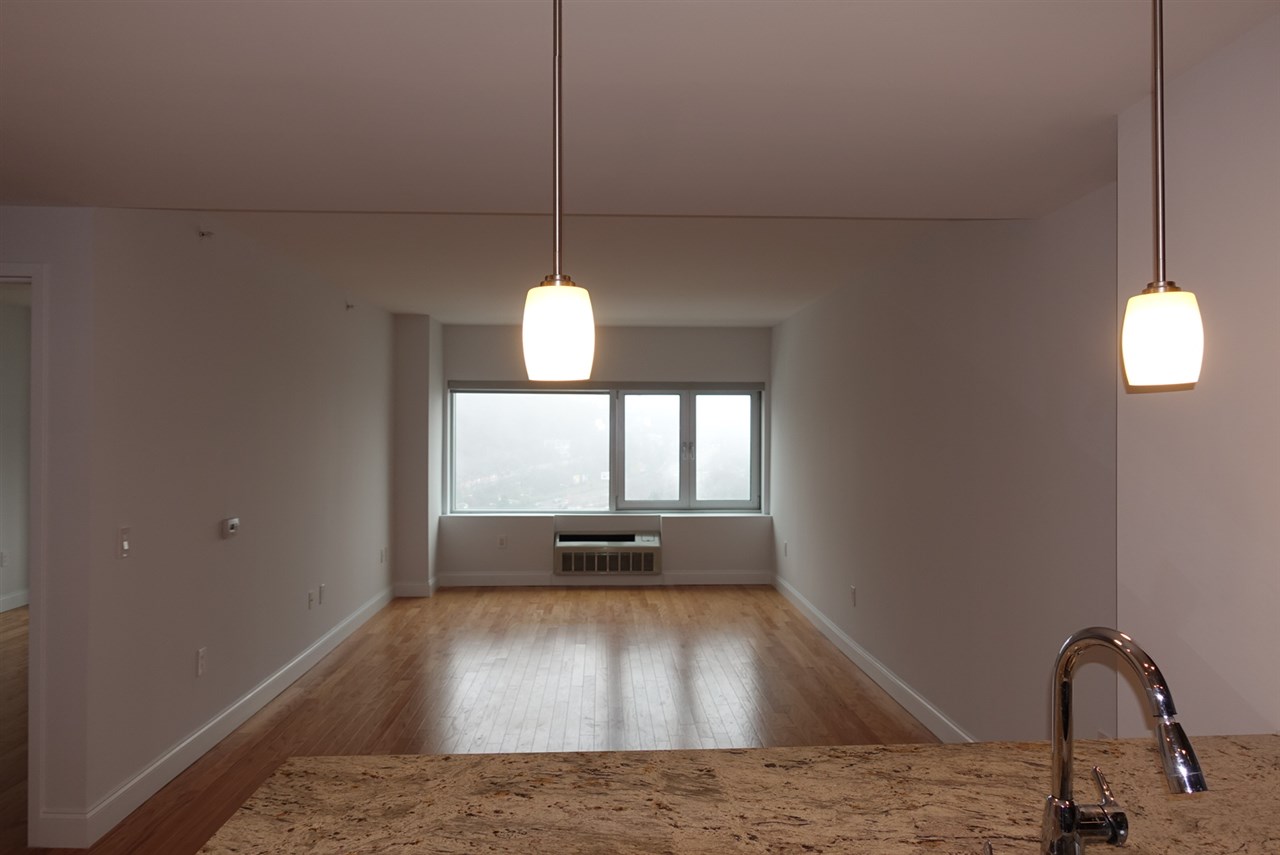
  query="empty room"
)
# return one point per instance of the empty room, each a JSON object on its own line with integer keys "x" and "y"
{"x": 639, "y": 426}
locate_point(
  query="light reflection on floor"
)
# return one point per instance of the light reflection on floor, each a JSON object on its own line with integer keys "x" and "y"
{"x": 552, "y": 689}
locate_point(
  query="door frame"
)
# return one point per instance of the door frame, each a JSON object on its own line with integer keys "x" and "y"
{"x": 38, "y": 277}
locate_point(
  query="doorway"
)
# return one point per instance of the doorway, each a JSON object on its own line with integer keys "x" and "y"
{"x": 15, "y": 553}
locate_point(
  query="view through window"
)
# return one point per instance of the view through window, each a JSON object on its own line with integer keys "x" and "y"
{"x": 559, "y": 451}
{"x": 653, "y": 448}
{"x": 531, "y": 451}
{"x": 724, "y": 448}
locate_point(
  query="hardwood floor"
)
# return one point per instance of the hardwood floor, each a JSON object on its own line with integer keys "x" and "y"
{"x": 13, "y": 729}
{"x": 535, "y": 669}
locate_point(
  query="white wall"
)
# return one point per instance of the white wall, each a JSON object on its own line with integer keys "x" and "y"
{"x": 1199, "y": 471}
{"x": 623, "y": 354}
{"x": 943, "y": 439}
{"x": 418, "y": 450}
{"x": 718, "y": 549}
{"x": 209, "y": 380}
{"x": 435, "y": 448}
{"x": 15, "y": 459}
{"x": 412, "y": 470}
{"x": 470, "y": 553}
{"x": 697, "y": 548}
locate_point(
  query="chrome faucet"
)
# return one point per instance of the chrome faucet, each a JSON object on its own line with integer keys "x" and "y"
{"x": 1068, "y": 825}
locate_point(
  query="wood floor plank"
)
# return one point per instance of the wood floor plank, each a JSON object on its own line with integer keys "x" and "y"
{"x": 511, "y": 669}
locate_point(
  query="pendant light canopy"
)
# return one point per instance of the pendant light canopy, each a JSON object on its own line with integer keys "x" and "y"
{"x": 1162, "y": 339}
{"x": 559, "y": 326}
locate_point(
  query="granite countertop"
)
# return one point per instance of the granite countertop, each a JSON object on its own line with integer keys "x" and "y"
{"x": 840, "y": 799}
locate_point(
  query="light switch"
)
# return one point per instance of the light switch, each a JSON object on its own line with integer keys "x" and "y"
{"x": 125, "y": 545}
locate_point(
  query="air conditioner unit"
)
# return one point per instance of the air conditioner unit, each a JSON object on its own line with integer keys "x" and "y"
{"x": 597, "y": 554}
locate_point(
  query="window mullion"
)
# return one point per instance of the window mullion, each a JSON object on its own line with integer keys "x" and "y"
{"x": 757, "y": 406}
{"x": 688, "y": 450}
{"x": 617, "y": 489}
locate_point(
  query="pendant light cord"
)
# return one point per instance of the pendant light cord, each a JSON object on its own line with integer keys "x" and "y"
{"x": 556, "y": 139}
{"x": 1157, "y": 119}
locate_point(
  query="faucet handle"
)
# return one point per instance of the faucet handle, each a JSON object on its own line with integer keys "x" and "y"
{"x": 1105, "y": 821}
{"x": 1104, "y": 789}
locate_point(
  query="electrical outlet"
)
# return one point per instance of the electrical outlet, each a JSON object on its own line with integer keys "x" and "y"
{"x": 853, "y": 595}
{"x": 502, "y": 541}
{"x": 311, "y": 599}
{"x": 200, "y": 661}
{"x": 124, "y": 542}
{"x": 786, "y": 546}
{"x": 320, "y": 598}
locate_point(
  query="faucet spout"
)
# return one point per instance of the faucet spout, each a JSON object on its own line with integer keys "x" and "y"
{"x": 1181, "y": 768}
{"x": 1067, "y": 824}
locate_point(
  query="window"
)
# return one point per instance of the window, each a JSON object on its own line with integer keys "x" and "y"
{"x": 653, "y": 447}
{"x": 689, "y": 449}
{"x": 531, "y": 451}
{"x": 606, "y": 449}
{"x": 725, "y": 444}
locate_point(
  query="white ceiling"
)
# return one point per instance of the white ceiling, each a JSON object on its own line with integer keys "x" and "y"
{"x": 673, "y": 108}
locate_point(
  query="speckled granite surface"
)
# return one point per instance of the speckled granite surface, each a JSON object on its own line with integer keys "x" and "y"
{"x": 855, "y": 799}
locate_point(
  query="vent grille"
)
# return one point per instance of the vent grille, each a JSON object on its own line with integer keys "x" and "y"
{"x": 608, "y": 555}
{"x": 608, "y": 562}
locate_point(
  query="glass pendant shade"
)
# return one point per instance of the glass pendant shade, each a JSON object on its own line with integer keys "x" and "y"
{"x": 1162, "y": 339}
{"x": 559, "y": 333}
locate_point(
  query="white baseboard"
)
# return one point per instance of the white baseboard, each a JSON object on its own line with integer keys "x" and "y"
{"x": 512, "y": 580}
{"x": 914, "y": 702}
{"x": 493, "y": 580}
{"x": 16, "y": 600}
{"x": 735, "y": 578}
{"x": 79, "y": 830}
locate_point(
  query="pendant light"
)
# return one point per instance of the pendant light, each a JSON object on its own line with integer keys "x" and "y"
{"x": 559, "y": 327}
{"x": 1162, "y": 338}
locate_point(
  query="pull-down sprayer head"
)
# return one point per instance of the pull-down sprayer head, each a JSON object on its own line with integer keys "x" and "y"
{"x": 1181, "y": 768}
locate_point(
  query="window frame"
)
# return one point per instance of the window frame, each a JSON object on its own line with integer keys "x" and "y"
{"x": 688, "y": 393}
{"x": 451, "y": 446}
{"x": 755, "y": 500}
{"x": 619, "y": 454}
{"x": 688, "y": 499}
